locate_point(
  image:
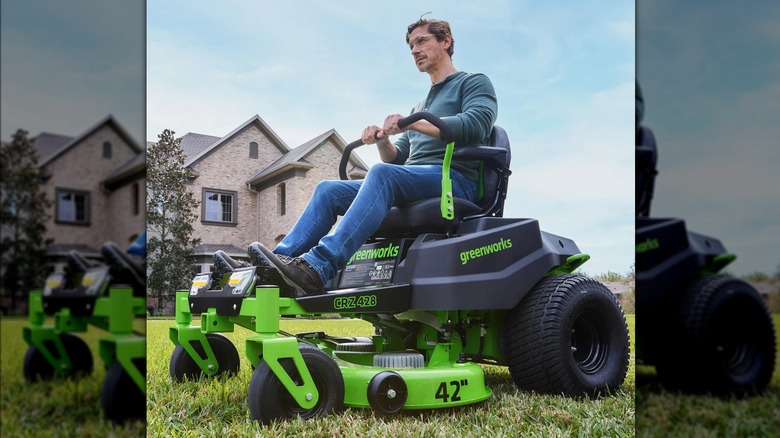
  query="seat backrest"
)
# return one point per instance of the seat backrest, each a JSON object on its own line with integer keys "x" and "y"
{"x": 646, "y": 169}
{"x": 495, "y": 177}
{"x": 425, "y": 216}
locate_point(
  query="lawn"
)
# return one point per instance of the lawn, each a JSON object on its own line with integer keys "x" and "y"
{"x": 58, "y": 408}
{"x": 219, "y": 408}
{"x": 661, "y": 413}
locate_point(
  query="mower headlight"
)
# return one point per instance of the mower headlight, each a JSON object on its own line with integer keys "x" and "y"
{"x": 95, "y": 280}
{"x": 53, "y": 281}
{"x": 242, "y": 280}
{"x": 201, "y": 282}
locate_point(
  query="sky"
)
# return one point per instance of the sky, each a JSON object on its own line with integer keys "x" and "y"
{"x": 563, "y": 73}
{"x": 711, "y": 81}
{"x": 67, "y": 65}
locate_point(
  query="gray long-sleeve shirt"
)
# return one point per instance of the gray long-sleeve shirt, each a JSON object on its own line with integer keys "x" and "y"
{"x": 467, "y": 103}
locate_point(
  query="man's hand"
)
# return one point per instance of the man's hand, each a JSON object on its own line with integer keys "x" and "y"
{"x": 374, "y": 134}
{"x": 391, "y": 124}
{"x": 422, "y": 126}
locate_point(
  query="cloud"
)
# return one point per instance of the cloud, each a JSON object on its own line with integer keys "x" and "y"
{"x": 60, "y": 75}
{"x": 577, "y": 178}
{"x": 308, "y": 67}
{"x": 709, "y": 74}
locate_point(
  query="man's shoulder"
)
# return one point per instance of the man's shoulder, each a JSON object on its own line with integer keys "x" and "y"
{"x": 473, "y": 77}
{"x": 474, "y": 81}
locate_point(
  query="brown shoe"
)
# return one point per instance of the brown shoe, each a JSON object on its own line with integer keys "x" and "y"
{"x": 295, "y": 271}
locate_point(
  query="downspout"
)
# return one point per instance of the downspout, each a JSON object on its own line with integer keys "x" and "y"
{"x": 257, "y": 211}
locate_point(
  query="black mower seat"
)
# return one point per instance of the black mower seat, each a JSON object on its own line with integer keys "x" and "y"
{"x": 425, "y": 216}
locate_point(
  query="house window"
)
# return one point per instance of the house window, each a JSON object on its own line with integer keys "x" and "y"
{"x": 281, "y": 199}
{"x": 136, "y": 200}
{"x": 252, "y": 150}
{"x": 72, "y": 207}
{"x": 220, "y": 206}
{"x": 106, "y": 149}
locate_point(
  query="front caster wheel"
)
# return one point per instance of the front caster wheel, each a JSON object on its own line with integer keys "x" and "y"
{"x": 183, "y": 366}
{"x": 36, "y": 367}
{"x": 269, "y": 400}
{"x": 387, "y": 392}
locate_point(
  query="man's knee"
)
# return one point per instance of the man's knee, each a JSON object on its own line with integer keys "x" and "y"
{"x": 326, "y": 187}
{"x": 333, "y": 189}
{"x": 382, "y": 171}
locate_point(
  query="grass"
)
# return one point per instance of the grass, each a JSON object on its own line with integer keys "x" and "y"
{"x": 218, "y": 407}
{"x": 61, "y": 407}
{"x": 661, "y": 413}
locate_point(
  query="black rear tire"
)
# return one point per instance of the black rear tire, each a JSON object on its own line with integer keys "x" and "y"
{"x": 121, "y": 398}
{"x": 567, "y": 336}
{"x": 269, "y": 400}
{"x": 726, "y": 343}
{"x": 182, "y": 366}
{"x": 36, "y": 367}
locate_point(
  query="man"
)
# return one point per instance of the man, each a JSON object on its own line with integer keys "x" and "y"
{"x": 411, "y": 170}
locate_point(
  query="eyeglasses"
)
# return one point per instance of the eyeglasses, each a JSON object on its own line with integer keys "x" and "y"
{"x": 420, "y": 40}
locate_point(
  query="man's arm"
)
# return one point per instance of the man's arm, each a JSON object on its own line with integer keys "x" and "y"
{"x": 375, "y": 135}
{"x": 475, "y": 119}
{"x": 422, "y": 126}
{"x": 387, "y": 150}
{"x": 479, "y": 109}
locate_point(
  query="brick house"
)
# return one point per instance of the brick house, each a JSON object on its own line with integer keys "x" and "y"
{"x": 97, "y": 184}
{"x": 251, "y": 186}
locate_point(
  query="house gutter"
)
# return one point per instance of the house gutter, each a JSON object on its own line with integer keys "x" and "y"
{"x": 257, "y": 210}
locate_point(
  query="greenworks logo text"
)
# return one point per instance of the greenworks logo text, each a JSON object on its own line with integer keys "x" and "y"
{"x": 375, "y": 253}
{"x": 472, "y": 254}
{"x": 648, "y": 245}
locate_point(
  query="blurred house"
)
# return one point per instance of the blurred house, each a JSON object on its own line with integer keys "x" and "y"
{"x": 96, "y": 182}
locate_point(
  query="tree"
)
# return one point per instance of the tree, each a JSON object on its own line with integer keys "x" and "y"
{"x": 757, "y": 277}
{"x": 170, "y": 213}
{"x": 23, "y": 219}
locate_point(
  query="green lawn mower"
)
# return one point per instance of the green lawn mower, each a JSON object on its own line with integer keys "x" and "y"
{"x": 703, "y": 330}
{"x": 107, "y": 296}
{"x": 447, "y": 284}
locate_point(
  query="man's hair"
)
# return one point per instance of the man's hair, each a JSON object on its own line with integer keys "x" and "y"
{"x": 438, "y": 28}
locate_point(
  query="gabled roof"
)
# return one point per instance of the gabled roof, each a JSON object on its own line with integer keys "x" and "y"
{"x": 47, "y": 144}
{"x": 133, "y": 168}
{"x": 253, "y": 121}
{"x": 108, "y": 120}
{"x": 296, "y": 158}
{"x": 192, "y": 144}
{"x": 62, "y": 249}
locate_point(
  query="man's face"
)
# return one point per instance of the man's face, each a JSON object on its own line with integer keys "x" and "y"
{"x": 428, "y": 53}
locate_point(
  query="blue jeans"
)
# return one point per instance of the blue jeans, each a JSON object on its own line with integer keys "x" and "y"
{"x": 364, "y": 205}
